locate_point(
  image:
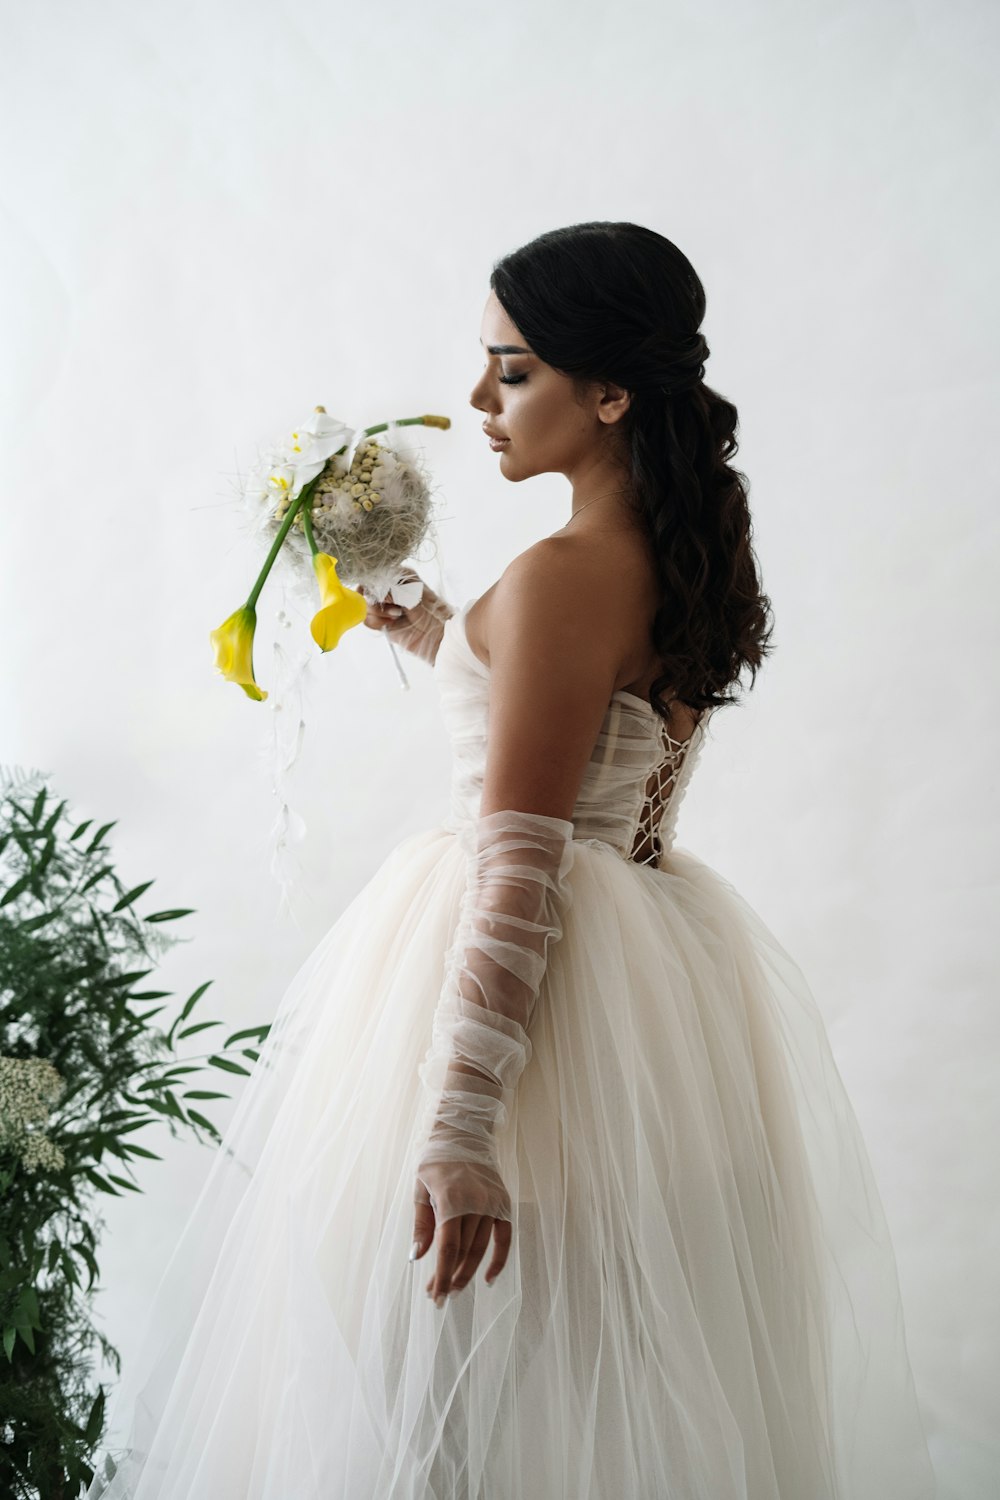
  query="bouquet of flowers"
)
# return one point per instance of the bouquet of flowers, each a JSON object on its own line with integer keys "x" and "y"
{"x": 365, "y": 511}
{"x": 328, "y": 498}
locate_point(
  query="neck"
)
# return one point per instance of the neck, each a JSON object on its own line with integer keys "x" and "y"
{"x": 611, "y": 496}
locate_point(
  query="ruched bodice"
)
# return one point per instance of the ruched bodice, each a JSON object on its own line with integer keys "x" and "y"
{"x": 631, "y": 789}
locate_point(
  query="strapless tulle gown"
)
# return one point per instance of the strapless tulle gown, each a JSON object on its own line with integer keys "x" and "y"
{"x": 701, "y": 1300}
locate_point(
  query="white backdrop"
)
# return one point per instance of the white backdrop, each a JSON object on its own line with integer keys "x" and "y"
{"x": 216, "y": 216}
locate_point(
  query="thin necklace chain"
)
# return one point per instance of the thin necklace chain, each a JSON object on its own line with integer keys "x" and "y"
{"x": 594, "y": 502}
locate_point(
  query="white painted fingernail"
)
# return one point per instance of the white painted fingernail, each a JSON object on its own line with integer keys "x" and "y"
{"x": 415, "y": 1250}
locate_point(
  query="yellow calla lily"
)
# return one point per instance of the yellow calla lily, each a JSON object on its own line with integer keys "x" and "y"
{"x": 342, "y": 607}
{"x": 233, "y": 643}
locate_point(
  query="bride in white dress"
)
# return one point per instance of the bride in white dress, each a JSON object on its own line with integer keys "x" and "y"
{"x": 559, "y": 1055}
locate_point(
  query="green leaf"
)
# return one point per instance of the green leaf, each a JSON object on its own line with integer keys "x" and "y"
{"x": 192, "y": 1000}
{"x": 46, "y": 859}
{"x": 9, "y": 1335}
{"x": 200, "y": 1026}
{"x": 27, "y": 1336}
{"x": 148, "y": 1015}
{"x": 171, "y": 914}
{"x": 98, "y": 836}
{"x": 33, "y": 923}
{"x": 92, "y": 1266}
{"x": 237, "y": 1036}
{"x": 229, "y": 1066}
{"x": 95, "y": 1421}
{"x": 148, "y": 1083}
{"x": 80, "y": 828}
{"x": 204, "y": 1094}
{"x": 168, "y": 1105}
{"x": 54, "y": 818}
{"x": 206, "y": 1124}
{"x": 100, "y": 1182}
{"x": 12, "y": 893}
{"x": 131, "y": 895}
{"x": 158, "y": 1106}
{"x": 134, "y": 1150}
{"x": 123, "y": 1182}
{"x": 116, "y": 981}
{"x": 98, "y": 875}
{"x": 29, "y": 1303}
{"x": 117, "y": 1148}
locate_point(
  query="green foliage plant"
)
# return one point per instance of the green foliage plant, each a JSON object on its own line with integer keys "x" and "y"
{"x": 83, "y": 1070}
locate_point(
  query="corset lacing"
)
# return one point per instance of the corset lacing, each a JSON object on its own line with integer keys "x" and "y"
{"x": 646, "y": 846}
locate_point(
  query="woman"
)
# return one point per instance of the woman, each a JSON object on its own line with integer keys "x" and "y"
{"x": 562, "y": 1057}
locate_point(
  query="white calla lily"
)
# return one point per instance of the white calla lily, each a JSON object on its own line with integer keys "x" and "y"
{"x": 312, "y": 443}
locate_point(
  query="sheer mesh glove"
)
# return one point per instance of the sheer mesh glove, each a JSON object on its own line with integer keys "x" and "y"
{"x": 516, "y": 888}
{"x": 417, "y": 629}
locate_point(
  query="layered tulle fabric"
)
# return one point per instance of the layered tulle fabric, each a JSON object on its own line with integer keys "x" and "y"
{"x": 700, "y": 1301}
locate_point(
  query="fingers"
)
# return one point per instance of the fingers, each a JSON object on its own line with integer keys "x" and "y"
{"x": 423, "y": 1221}
{"x": 379, "y": 613}
{"x": 453, "y": 1240}
{"x": 502, "y": 1229}
{"x": 462, "y": 1243}
{"x": 466, "y": 1268}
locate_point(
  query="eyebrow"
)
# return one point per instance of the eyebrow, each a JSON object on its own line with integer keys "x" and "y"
{"x": 506, "y": 348}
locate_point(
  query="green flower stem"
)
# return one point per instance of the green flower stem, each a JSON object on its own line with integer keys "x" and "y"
{"x": 400, "y": 422}
{"x": 307, "y": 524}
{"x": 304, "y": 494}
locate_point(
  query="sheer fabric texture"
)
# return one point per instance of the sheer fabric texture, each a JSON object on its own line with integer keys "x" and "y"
{"x": 515, "y": 885}
{"x": 420, "y": 627}
{"x": 701, "y": 1300}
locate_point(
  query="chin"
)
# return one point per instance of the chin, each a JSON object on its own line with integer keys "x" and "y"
{"x": 515, "y": 471}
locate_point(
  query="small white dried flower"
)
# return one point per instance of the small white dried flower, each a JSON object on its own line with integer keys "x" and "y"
{"x": 39, "y": 1153}
{"x": 29, "y": 1086}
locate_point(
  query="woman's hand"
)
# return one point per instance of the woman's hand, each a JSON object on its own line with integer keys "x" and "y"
{"x": 462, "y": 1241}
{"x": 417, "y": 629}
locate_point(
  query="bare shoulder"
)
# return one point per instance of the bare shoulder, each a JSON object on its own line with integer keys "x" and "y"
{"x": 554, "y": 621}
{"x": 558, "y": 586}
{"x": 555, "y": 569}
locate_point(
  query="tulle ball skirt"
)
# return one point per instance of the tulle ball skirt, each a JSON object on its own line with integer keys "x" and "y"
{"x": 701, "y": 1300}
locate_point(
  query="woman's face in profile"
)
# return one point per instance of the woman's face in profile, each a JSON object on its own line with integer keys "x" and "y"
{"x": 533, "y": 406}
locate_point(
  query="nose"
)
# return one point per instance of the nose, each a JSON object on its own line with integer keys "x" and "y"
{"x": 477, "y": 396}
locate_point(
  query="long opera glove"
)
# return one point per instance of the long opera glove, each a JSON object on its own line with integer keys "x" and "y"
{"x": 516, "y": 890}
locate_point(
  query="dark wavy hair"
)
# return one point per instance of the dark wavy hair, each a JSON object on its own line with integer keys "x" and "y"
{"x": 617, "y": 302}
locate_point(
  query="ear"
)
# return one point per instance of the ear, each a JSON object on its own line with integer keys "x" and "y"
{"x": 613, "y": 403}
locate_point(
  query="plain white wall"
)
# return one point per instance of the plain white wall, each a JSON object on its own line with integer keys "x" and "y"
{"x": 217, "y": 215}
